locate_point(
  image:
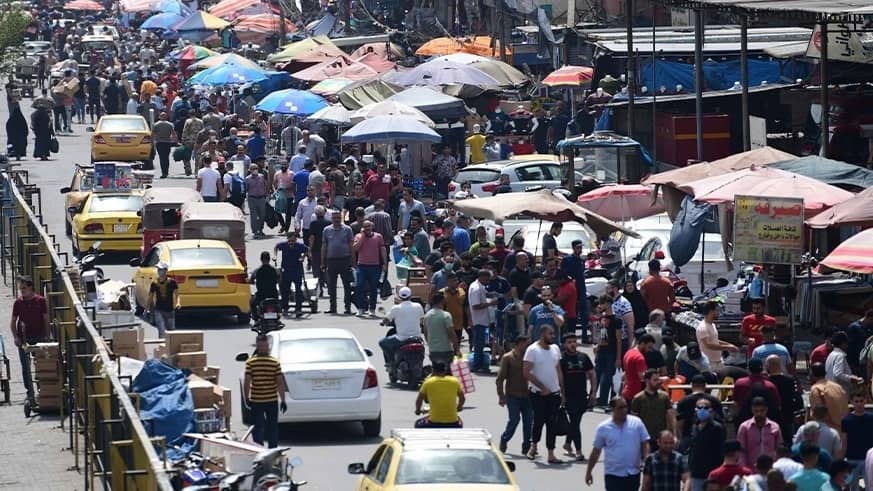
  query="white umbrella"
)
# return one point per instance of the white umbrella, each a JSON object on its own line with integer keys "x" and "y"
{"x": 390, "y": 129}
{"x": 390, "y": 108}
{"x": 334, "y": 114}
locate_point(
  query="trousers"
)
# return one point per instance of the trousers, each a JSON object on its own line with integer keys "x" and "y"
{"x": 575, "y": 410}
{"x": 367, "y": 286}
{"x": 265, "y": 423}
{"x": 545, "y": 408}
{"x": 163, "y": 149}
{"x": 518, "y": 408}
{"x": 604, "y": 368}
{"x": 258, "y": 212}
{"x": 285, "y": 291}
{"x": 622, "y": 483}
{"x": 164, "y": 321}
{"x": 342, "y": 267}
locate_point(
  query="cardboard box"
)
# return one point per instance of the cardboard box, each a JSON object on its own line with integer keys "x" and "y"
{"x": 160, "y": 352}
{"x": 224, "y": 399}
{"x": 175, "y": 340}
{"x": 46, "y": 351}
{"x": 135, "y": 352}
{"x": 196, "y": 359}
{"x": 190, "y": 347}
{"x": 416, "y": 276}
{"x": 208, "y": 373}
{"x": 48, "y": 402}
{"x": 201, "y": 392}
{"x": 127, "y": 338}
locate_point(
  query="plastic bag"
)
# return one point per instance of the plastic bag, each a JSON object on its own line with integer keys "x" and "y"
{"x": 562, "y": 422}
{"x": 617, "y": 380}
{"x": 461, "y": 370}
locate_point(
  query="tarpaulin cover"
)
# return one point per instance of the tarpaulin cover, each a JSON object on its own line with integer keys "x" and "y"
{"x": 721, "y": 75}
{"x": 165, "y": 403}
{"x": 687, "y": 227}
{"x": 833, "y": 172}
{"x": 361, "y": 93}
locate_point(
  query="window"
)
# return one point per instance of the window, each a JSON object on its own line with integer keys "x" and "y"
{"x": 648, "y": 251}
{"x": 477, "y": 176}
{"x": 152, "y": 258}
{"x": 530, "y": 173}
{"x": 374, "y": 461}
{"x": 553, "y": 172}
{"x": 104, "y": 203}
{"x": 335, "y": 350}
{"x": 450, "y": 466}
{"x": 120, "y": 125}
{"x": 201, "y": 257}
{"x": 385, "y": 465}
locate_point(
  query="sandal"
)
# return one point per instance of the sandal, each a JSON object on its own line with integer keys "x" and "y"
{"x": 555, "y": 461}
{"x": 531, "y": 454}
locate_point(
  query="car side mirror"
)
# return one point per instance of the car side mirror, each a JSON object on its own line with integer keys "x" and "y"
{"x": 89, "y": 129}
{"x": 135, "y": 262}
{"x": 241, "y": 357}
{"x": 511, "y": 466}
{"x": 357, "y": 468}
{"x": 65, "y": 189}
{"x": 74, "y": 210}
{"x": 368, "y": 351}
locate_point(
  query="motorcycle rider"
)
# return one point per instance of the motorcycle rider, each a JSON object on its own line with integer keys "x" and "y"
{"x": 407, "y": 317}
{"x": 444, "y": 394}
{"x": 266, "y": 281}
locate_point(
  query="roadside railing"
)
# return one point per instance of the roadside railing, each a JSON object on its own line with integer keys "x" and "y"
{"x": 106, "y": 436}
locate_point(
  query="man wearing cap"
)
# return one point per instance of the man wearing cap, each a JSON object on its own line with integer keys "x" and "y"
{"x": 164, "y": 301}
{"x": 407, "y": 317}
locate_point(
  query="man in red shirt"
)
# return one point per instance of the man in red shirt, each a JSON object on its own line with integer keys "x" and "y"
{"x": 821, "y": 352}
{"x": 379, "y": 185}
{"x": 750, "y": 330}
{"x": 750, "y": 386}
{"x": 730, "y": 468}
{"x": 29, "y": 325}
{"x": 634, "y": 364}
{"x": 567, "y": 300}
{"x": 657, "y": 291}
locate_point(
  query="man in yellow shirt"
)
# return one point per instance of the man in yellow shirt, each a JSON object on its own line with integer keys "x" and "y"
{"x": 445, "y": 396}
{"x": 476, "y": 141}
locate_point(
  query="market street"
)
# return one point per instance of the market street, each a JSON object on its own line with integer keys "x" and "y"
{"x": 326, "y": 449}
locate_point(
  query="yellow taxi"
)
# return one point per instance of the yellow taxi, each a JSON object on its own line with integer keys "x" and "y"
{"x": 111, "y": 218}
{"x": 84, "y": 182}
{"x": 436, "y": 460}
{"x": 211, "y": 278}
{"x": 125, "y": 137}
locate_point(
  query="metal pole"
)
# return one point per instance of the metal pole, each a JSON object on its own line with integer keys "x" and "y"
{"x": 631, "y": 69}
{"x": 744, "y": 80}
{"x": 825, "y": 103}
{"x": 502, "y": 11}
{"x": 283, "y": 34}
{"x": 698, "y": 79}
{"x": 654, "y": 90}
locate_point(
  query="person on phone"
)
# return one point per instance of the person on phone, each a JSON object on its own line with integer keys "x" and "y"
{"x": 164, "y": 301}
{"x": 546, "y": 313}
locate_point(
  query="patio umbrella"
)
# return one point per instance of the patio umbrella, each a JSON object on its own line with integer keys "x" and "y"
{"x": 764, "y": 181}
{"x": 225, "y": 59}
{"x": 390, "y": 108}
{"x": 542, "y": 204}
{"x": 162, "y": 21}
{"x": 333, "y": 114}
{"x": 435, "y": 104}
{"x": 193, "y": 53}
{"x": 330, "y": 86}
{"x": 227, "y": 74}
{"x": 856, "y": 211}
{"x": 442, "y": 73}
{"x": 292, "y": 101}
{"x": 622, "y": 202}
{"x": 390, "y": 129}
{"x": 262, "y": 23}
{"x": 84, "y": 5}
{"x": 201, "y": 21}
{"x": 506, "y": 74}
{"x": 230, "y": 9}
{"x": 569, "y": 76}
{"x": 339, "y": 67}
{"x": 478, "y": 45}
{"x": 854, "y": 255}
{"x": 295, "y": 50}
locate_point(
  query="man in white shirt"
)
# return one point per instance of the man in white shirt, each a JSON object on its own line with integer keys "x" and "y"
{"x": 314, "y": 145}
{"x": 542, "y": 370}
{"x": 480, "y": 318}
{"x": 707, "y": 336}
{"x": 305, "y": 212}
{"x": 298, "y": 161}
{"x": 837, "y": 365}
{"x": 407, "y": 316}
{"x": 209, "y": 183}
{"x": 317, "y": 180}
{"x": 785, "y": 464}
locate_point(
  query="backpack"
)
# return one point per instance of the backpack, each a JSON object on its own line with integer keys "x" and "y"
{"x": 237, "y": 186}
{"x": 758, "y": 389}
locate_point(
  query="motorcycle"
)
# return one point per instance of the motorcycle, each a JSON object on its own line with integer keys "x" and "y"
{"x": 88, "y": 261}
{"x": 290, "y": 484}
{"x": 408, "y": 363}
{"x": 267, "y": 316}
{"x": 424, "y": 421}
{"x": 195, "y": 478}
{"x": 264, "y": 476}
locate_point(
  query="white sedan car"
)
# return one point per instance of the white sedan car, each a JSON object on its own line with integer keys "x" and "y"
{"x": 329, "y": 378}
{"x": 523, "y": 175}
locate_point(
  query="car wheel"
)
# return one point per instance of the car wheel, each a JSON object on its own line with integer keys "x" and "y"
{"x": 373, "y": 427}
{"x": 243, "y": 318}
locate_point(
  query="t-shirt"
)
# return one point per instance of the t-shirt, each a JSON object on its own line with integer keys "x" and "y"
{"x": 620, "y": 307}
{"x": 337, "y": 241}
{"x": 763, "y": 351}
{"x": 550, "y": 245}
{"x": 539, "y": 316}
{"x": 407, "y": 317}
{"x": 369, "y": 254}
{"x": 477, "y": 294}
{"x": 520, "y": 280}
{"x": 209, "y": 178}
{"x": 267, "y": 281}
{"x": 751, "y": 328}
{"x": 604, "y": 334}
{"x": 163, "y": 291}
{"x": 725, "y": 473}
{"x": 301, "y": 181}
{"x": 31, "y": 312}
{"x": 575, "y": 369}
{"x": 708, "y": 333}
{"x": 532, "y": 296}
{"x": 652, "y": 409}
{"x": 405, "y": 210}
{"x": 437, "y": 323}
{"x": 809, "y": 479}
{"x": 657, "y": 292}
{"x": 441, "y": 394}
{"x": 568, "y": 290}
{"x": 353, "y": 204}
{"x": 859, "y": 435}
{"x": 476, "y": 143}
{"x": 292, "y": 262}
{"x": 634, "y": 364}
{"x": 263, "y": 370}
{"x": 455, "y": 305}
{"x": 545, "y": 363}
{"x": 378, "y": 187}
{"x": 820, "y": 353}
{"x": 316, "y": 231}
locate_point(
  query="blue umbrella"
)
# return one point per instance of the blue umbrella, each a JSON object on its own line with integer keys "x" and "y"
{"x": 292, "y": 101}
{"x": 390, "y": 129}
{"x": 227, "y": 74}
{"x": 162, "y": 21}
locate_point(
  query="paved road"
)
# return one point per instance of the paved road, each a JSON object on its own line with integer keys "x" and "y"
{"x": 326, "y": 449}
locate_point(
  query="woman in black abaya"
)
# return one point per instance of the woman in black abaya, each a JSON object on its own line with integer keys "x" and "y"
{"x": 16, "y": 131}
{"x": 41, "y": 122}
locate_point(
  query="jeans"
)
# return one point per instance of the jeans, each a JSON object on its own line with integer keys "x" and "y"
{"x": 622, "y": 483}
{"x": 79, "y": 109}
{"x": 164, "y": 321}
{"x": 480, "y": 362}
{"x": 26, "y": 374}
{"x": 339, "y": 202}
{"x": 265, "y": 422}
{"x": 545, "y": 408}
{"x": 342, "y": 267}
{"x": 60, "y": 114}
{"x": 163, "y": 149}
{"x": 258, "y": 211}
{"x": 210, "y": 199}
{"x": 518, "y": 408}
{"x": 575, "y": 410}
{"x": 604, "y": 368}
{"x": 697, "y": 483}
{"x": 390, "y": 345}
{"x": 367, "y": 286}
{"x": 442, "y": 185}
{"x": 285, "y": 290}
{"x": 855, "y": 474}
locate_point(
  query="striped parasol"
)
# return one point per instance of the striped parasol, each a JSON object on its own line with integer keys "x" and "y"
{"x": 83, "y": 5}
{"x": 231, "y": 9}
{"x": 569, "y": 76}
{"x": 854, "y": 255}
{"x": 193, "y": 53}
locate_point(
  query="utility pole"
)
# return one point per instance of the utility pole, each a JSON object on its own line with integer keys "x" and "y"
{"x": 631, "y": 69}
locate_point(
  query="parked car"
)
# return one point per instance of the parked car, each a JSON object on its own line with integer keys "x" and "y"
{"x": 329, "y": 378}
{"x": 534, "y": 230}
{"x": 125, "y": 137}
{"x": 523, "y": 175}
{"x": 109, "y": 218}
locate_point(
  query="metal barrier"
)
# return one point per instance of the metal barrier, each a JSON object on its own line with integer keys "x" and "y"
{"x": 107, "y": 437}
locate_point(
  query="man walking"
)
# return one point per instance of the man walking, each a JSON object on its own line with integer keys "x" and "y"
{"x": 256, "y": 195}
{"x": 209, "y": 182}
{"x": 371, "y": 259}
{"x": 336, "y": 260}
{"x": 293, "y": 253}
{"x": 707, "y": 444}
{"x": 580, "y": 389}
{"x": 542, "y": 369}
{"x": 512, "y": 392}
{"x": 164, "y": 301}
{"x": 666, "y": 469}
{"x": 164, "y": 135}
{"x": 758, "y": 435}
{"x": 305, "y": 213}
{"x": 29, "y": 325}
{"x": 652, "y": 405}
{"x": 626, "y": 441}
{"x": 264, "y": 384}
{"x": 480, "y": 317}
{"x": 438, "y": 331}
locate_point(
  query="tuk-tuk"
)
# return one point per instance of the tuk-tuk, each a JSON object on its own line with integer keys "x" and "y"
{"x": 219, "y": 221}
{"x": 162, "y": 212}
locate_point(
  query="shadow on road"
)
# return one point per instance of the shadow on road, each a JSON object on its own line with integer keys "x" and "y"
{"x": 317, "y": 434}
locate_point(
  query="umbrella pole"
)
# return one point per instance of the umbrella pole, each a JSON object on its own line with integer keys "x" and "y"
{"x": 539, "y": 232}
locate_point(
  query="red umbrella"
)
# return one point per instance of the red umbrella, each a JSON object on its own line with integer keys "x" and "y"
{"x": 622, "y": 202}
{"x": 569, "y": 76}
{"x": 854, "y": 255}
{"x": 83, "y": 5}
{"x": 857, "y": 211}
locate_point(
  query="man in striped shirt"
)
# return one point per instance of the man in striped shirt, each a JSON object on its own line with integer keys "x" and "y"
{"x": 263, "y": 386}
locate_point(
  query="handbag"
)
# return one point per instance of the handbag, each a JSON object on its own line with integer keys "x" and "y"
{"x": 54, "y": 146}
{"x": 385, "y": 289}
{"x": 562, "y": 422}
{"x": 271, "y": 217}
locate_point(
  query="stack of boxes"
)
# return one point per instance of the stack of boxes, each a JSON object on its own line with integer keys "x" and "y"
{"x": 47, "y": 372}
{"x": 129, "y": 343}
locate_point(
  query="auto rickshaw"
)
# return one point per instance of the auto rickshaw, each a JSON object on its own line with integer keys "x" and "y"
{"x": 220, "y": 221}
{"x": 162, "y": 212}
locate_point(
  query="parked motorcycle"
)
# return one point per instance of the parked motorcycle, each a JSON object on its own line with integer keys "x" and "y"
{"x": 290, "y": 484}
{"x": 196, "y": 478}
{"x": 88, "y": 261}
{"x": 264, "y": 476}
{"x": 408, "y": 363}
{"x": 267, "y": 316}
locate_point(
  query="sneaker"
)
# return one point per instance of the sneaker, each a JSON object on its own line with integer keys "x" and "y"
{"x": 361, "y": 314}
{"x": 502, "y": 446}
{"x": 332, "y": 311}
{"x": 373, "y": 313}
{"x": 347, "y": 312}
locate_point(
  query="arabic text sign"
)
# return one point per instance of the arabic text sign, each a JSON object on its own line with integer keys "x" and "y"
{"x": 768, "y": 230}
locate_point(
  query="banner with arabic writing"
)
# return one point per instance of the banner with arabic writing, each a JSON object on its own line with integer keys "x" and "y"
{"x": 768, "y": 230}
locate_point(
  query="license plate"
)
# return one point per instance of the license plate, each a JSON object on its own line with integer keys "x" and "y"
{"x": 207, "y": 283}
{"x": 271, "y": 315}
{"x": 123, "y": 139}
{"x": 120, "y": 227}
{"x": 326, "y": 384}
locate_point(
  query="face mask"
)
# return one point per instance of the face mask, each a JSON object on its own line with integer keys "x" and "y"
{"x": 449, "y": 267}
{"x": 702, "y": 414}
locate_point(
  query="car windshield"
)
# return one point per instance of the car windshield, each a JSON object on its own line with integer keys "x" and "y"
{"x": 114, "y": 125}
{"x": 450, "y": 466}
{"x": 196, "y": 257}
{"x": 115, "y": 203}
{"x": 477, "y": 176}
{"x": 331, "y": 350}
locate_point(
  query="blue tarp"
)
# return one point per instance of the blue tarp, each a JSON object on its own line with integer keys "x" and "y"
{"x": 166, "y": 403}
{"x": 687, "y": 228}
{"x": 720, "y": 75}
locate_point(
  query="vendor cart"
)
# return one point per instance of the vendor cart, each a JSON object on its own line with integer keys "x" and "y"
{"x": 46, "y": 376}
{"x": 25, "y": 72}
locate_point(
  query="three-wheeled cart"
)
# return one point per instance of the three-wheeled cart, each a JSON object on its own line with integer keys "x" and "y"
{"x": 45, "y": 359}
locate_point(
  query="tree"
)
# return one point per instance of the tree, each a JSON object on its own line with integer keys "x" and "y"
{"x": 13, "y": 23}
